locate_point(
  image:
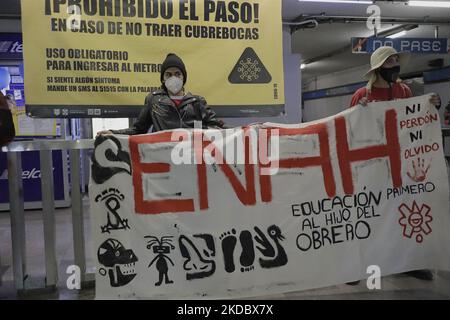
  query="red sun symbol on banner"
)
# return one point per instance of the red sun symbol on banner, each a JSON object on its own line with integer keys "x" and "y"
{"x": 415, "y": 220}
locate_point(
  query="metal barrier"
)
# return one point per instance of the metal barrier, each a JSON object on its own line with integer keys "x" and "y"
{"x": 14, "y": 151}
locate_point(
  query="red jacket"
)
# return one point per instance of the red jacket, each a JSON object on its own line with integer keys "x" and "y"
{"x": 398, "y": 91}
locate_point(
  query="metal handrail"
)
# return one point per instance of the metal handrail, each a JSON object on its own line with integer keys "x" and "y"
{"x": 38, "y": 145}
{"x": 23, "y": 282}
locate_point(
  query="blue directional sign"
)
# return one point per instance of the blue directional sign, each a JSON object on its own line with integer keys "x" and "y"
{"x": 412, "y": 45}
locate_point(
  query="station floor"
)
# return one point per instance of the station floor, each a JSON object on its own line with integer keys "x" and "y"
{"x": 400, "y": 287}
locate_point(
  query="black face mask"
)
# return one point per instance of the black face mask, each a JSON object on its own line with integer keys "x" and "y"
{"x": 390, "y": 74}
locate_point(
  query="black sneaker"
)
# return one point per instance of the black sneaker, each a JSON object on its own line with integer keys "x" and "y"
{"x": 421, "y": 274}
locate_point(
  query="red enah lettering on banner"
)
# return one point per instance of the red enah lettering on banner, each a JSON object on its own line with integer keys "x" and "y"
{"x": 323, "y": 160}
{"x": 391, "y": 150}
{"x": 139, "y": 168}
{"x": 247, "y": 194}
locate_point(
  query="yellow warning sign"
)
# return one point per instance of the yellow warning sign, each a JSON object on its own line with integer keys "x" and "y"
{"x": 97, "y": 58}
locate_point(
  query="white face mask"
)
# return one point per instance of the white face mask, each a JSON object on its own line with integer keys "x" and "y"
{"x": 174, "y": 84}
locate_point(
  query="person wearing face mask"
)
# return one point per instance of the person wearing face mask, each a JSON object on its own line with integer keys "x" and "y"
{"x": 384, "y": 83}
{"x": 171, "y": 107}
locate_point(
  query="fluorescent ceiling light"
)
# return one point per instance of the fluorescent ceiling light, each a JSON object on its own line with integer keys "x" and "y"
{"x": 397, "y": 35}
{"x": 302, "y": 66}
{"x": 339, "y": 1}
{"x": 437, "y": 4}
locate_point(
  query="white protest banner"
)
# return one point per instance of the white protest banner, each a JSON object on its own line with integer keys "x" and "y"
{"x": 212, "y": 214}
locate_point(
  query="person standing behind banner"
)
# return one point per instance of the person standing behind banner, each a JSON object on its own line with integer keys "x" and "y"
{"x": 384, "y": 84}
{"x": 171, "y": 107}
{"x": 7, "y": 130}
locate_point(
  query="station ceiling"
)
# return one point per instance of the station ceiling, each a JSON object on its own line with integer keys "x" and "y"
{"x": 327, "y": 45}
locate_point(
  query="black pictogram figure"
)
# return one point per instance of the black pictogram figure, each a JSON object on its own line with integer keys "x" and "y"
{"x": 276, "y": 253}
{"x": 119, "y": 262}
{"x": 108, "y": 159}
{"x": 112, "y": 198}
{"x": 228, "y": 245}
{"x": 248, "y": 251}
{"x": 249, "y": 69}
{"x": 161, "y": 247}
{"x": 199, "y": 263}
{"x": 229, "y": 242}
